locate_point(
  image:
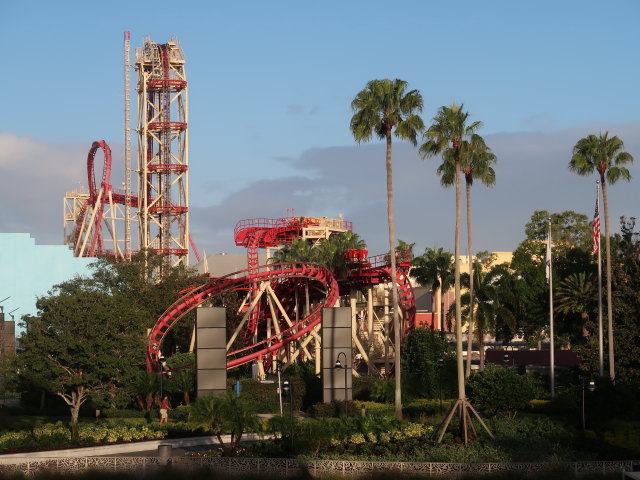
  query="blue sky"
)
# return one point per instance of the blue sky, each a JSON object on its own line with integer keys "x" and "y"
{"x": 270, "y": 86}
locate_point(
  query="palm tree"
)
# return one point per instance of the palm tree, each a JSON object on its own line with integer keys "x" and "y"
{"x": 575, "y": 294}
{"x": 381, "y": 107}
{"x": 434, "y": 269}
{"x": 489, "y": 304}
{"x": 606, "y": 156}
{"x": 444, "y": 137}
{"x": 476, "y": 160}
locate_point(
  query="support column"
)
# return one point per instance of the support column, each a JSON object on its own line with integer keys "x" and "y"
{"x": 211, "y": 351}
{"x": 336, "y": 342}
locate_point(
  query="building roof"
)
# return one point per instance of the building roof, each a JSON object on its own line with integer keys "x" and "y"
{"x": 562, "y": 358}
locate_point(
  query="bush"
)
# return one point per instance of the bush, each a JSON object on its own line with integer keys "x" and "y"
{"x": 501, "y": 390}
{"x": 418, "y": 409}
{"x": 182, "y": 413}
{"x": 264, "y": 398}
{"x": 121, "y": 413}
{"x": 334, "y": 408}
{"x": 375, "y": 408}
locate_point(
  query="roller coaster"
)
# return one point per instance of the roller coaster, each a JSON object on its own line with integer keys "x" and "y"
{"x": 95, "y": 216}
{"x": 283, "y": 301}
{"x": 162, "y": 200}
{"x": 281, "y": 311}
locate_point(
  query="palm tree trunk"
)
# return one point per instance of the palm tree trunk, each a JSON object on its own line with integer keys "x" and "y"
{"x": 471, "y": 304}
{"x": 480, "y": 340}
{"x": 461, "y": 392}
{"x": 394, "y": 291}
{"x": 612, "y": 373}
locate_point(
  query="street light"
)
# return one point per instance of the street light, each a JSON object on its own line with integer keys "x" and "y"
{"x": 339, "y": 365}
{"x": 287, "y": 386}
{"x": 161, "y": 360}
{"x": 591, "y": 387}
{"x": 440, "y": 366}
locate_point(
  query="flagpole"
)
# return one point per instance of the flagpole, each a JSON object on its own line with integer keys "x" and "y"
{"x": 551, "y": 343}
{"x": 600, "y": 336}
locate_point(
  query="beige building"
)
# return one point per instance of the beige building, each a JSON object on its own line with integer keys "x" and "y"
{"x": 433, "y": 315}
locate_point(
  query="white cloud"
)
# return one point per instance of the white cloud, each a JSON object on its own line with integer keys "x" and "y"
{"x": 35, "y": 176}
{"x": 531, "y": 174}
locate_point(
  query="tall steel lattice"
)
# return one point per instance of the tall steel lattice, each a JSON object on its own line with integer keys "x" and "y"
{"x": 163, "y": 158}
{"x": 127, "y": 145}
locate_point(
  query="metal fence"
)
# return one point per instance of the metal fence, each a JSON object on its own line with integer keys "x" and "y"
{"x": 284, "y": 466}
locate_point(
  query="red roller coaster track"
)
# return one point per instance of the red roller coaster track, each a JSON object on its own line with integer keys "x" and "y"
{"x": 282, "y": 273}
{"x": 99, "y": 197}
{"x": 283, "y": 278}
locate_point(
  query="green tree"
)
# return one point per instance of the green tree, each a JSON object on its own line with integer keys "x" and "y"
{"x": 84, "y": 344}
{"x": 577, "y": 294}
{"x": 148, "y": 296}
{"x": 224, "y": 415}
{"x": 422, "y": 372}
{"x": 489, "y": 304}
{"x": 329, "y": 253}
{"x": 444, "y": 137}
{"x": 607, "y": 157}
{"x": 568, "y": 229}
{"x": 385, "y": 107}
{"x": 181, "y": 366}
{"x": 500, "y": 390}
{"x": 527, "y": 293}
{"x": 297, "y": 251}
{"x": 434, "y": 268}
{"x": 477, "y": 161}
{"x": 626, "y": 302}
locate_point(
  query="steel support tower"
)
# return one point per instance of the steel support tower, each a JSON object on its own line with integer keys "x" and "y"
{"x": 163, "y": 160}
{"x": 127, "y": 146}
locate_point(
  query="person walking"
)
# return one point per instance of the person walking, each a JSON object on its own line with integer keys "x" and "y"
{"x": 164, "y": 409}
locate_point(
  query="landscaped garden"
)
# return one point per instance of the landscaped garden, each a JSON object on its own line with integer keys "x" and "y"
{"x": 526, "y": 429}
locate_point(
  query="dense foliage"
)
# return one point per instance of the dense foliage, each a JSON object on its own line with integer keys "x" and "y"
{"x": 428, "y": 365}
{"x": 501, "y": 390}
{"x": 87, "y": 342}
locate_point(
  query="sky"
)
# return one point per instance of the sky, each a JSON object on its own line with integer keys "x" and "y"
{"x": 270, "y": 87}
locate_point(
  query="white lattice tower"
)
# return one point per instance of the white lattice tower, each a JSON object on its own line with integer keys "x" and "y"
{"x": 163, "y": 151}
{"x": 127, "y": 144}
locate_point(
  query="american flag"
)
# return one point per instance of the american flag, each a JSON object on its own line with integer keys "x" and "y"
{"x": 596, "y": 227}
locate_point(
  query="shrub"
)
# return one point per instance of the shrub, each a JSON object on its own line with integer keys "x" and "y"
{"x": 418, "y": 409}
{"x": 263, "y": 397}
{"x": 221, "y": 415}
{"x": 501, "y": 390}
{"x": 121, "y": 413}
{"x": 334, "y": 408}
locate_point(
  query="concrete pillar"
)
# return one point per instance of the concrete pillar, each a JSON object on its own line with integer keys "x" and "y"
{"x": 211, "y": 351}
{"x": 336, "y": 343}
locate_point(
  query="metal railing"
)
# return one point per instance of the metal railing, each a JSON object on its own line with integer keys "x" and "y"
{"x": 276, "y": 466}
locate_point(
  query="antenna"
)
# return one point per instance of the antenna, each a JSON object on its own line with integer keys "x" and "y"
{"x": 127, "y": 145}
{"x": 1, "y": 307}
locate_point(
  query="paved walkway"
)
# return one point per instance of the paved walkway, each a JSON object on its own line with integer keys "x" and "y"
{"x": 134, "y": 449}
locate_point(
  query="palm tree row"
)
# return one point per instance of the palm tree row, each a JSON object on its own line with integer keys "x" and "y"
{"x": 605, "y": 156}
{"x": 386, "y": 107}
{"x": 380, "y": 107}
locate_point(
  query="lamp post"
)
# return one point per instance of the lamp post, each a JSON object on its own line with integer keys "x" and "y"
{"x": 591, "y": 387}
{"x": 440, "y": 366}
{"x": 505, "y": 359}
{"x": 344, "y": 367}
{"x": 161, "y": 360}
{"x": 279, "y": 388}
{"x": 287, "y": 386}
